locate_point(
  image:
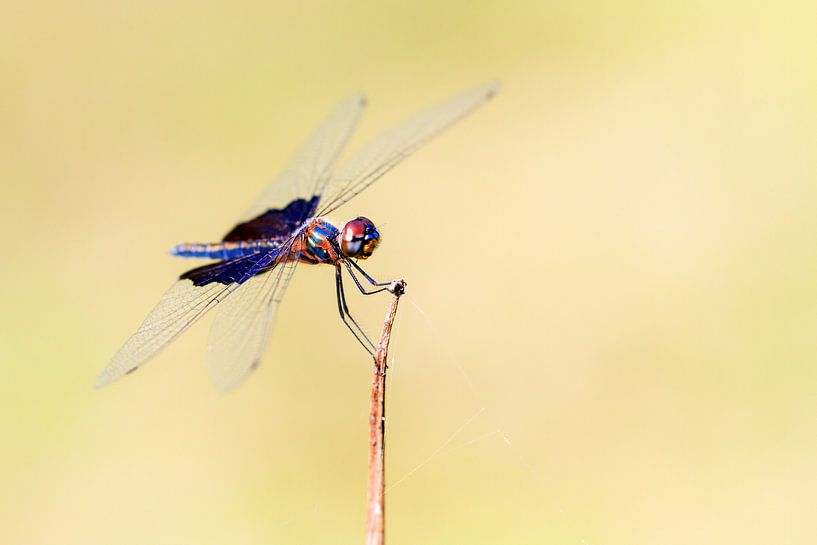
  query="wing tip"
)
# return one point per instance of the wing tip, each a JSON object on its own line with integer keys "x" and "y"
{"x": 358, "y": 98}
{"x": 109, "y": 376}
{"x": 226, "y": 386}
{"x": 226, "y": 382}
{"x": 490, "y": 88}
{"x": 102, "y": 381}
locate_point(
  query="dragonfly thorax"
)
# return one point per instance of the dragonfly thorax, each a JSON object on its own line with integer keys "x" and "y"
{"x": 358, "y": 238}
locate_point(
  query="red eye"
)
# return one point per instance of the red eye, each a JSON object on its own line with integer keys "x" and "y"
{"x": 358, "y": 238}
{"x": 354, "y": 230}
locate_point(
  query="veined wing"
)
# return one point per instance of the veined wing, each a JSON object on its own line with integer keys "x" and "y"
{"x": 243, "y": 325}
{"x": 195, "y": 293}
{"x": 178, "y": 309}
{"x": 309, "y": 169}
{"x": 387, "y": 150}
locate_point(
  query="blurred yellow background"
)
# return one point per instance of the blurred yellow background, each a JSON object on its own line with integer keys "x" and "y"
{"x": 609, "y": 336}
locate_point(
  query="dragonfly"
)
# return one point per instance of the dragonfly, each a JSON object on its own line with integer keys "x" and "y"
{"x": 286, "y": 226}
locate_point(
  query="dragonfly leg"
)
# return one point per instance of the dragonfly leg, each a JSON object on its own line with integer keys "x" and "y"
{"x": 371, "y": 280}
{"x": 343, "y": 309}
{"x": 382, "y": 286}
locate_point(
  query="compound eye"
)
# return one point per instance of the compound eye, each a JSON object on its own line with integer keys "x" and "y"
{"x": 359, "y": 238}
{"x": 352, "y": 237}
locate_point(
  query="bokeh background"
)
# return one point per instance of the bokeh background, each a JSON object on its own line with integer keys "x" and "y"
{"x": 609, "y": 336}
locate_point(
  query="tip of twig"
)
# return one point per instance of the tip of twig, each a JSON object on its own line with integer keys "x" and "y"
{"x": 398, "y": 287}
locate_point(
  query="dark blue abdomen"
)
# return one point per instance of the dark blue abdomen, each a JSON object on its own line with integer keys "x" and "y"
{"x": 224, "y": 250}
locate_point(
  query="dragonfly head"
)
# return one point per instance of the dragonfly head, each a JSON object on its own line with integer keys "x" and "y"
{"x": 358, "y": 238}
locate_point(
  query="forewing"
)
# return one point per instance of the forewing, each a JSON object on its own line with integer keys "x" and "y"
{"x": 387, "y": 150}
{"x": 181, "y": 305}
{"x": 309, "y": 169}
{"x": 243, "y": 325}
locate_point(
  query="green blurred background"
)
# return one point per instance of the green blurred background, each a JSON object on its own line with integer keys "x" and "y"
{"x": 609, "y": 336}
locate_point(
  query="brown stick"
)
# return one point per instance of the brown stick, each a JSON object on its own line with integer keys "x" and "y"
{"x": 377, "y": 426}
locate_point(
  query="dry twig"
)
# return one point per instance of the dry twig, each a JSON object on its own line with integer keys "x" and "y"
{"x": 377, "y": 425}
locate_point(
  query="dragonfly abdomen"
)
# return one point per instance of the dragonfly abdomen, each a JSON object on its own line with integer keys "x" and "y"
{"x": 224, "y": 250}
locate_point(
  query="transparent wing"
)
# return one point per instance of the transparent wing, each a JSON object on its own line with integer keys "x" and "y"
{"x": 243, "y": 325}
{"x": 309, "y": 169}
{"x": 181, "y": 305}
{"x": 387, "y": 150}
